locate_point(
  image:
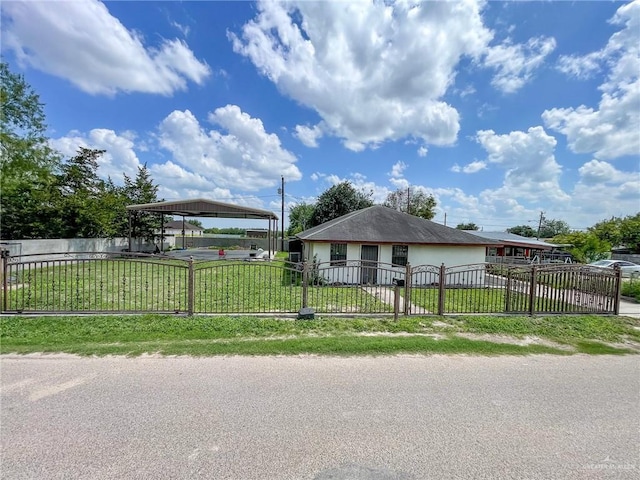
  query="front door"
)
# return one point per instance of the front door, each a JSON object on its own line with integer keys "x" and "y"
{"x": 369, "y": 257}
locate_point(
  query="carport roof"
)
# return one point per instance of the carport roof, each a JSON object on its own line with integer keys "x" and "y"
{"x": 511, "y": 239}
{"x": 200, "y": 207}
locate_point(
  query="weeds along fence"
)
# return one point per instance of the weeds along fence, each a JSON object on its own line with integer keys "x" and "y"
{"x": 130, "y": 282}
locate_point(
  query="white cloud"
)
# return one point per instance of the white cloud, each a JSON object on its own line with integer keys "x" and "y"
{"x": 532, "y": 172}
{"x": 397, "y": 170}
{"x": 596, "y": 172}
{"x": 515, "y": 64}
{"x": 120, "y": 156}
{"x": 184, "y": 29}
{"x": 612, "y": 130}
{"x": 83, "y": 43}
{"x": 582, "y": 67}
{"x": 603, "y": 189}
{"x": 472, "y": 167}
{"x": 246, "y": 157}
{"x": 355, "y": 63}
{"x": 308, "y": 135}
{"x": 349, "y": 61}
{"x": 422, "y": 151}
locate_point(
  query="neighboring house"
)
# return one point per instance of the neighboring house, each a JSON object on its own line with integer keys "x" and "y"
{"x": 256, "y": 232}
{"x": 384, "y": 235}
{"x": 516, "y": 248}
{"x": 175, "y": 228}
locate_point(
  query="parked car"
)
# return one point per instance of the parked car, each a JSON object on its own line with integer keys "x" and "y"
{"x": 629, "y": 269}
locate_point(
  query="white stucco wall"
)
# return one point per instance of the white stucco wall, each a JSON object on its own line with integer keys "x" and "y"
{"x": 418, "y": 254}
{"x": 54, "y": 247}
{"x": 435, "y": 255}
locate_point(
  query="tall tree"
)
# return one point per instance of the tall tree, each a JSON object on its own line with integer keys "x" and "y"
{"x": 467, "y": 226}
{"x": 412, "y": 201}
{"x": 142, "y": 190}
{"x": 585, "y": 247}
{"x": 608, "y": 230}
{"x": 113, "y": 210}
{"x": 523, "y": 231}
{"x": 620, "y": 231}
{"x": 550, "y": 228}
{"x": 81, "y": 192}
{"x": 300, "y": 218}
{"x": 27, "y": 163}
{"x": 630, "y": 232}
{"x": 339, "y": 200}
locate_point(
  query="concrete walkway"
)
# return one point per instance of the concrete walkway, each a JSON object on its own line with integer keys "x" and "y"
{"x": 629, "y": 309}
{"x": 386, "y": 295}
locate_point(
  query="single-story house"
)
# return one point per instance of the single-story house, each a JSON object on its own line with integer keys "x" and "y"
{"x": 382, "y": 235}
{"x": 516, "y": 248}
{"x": 176, "y": 227}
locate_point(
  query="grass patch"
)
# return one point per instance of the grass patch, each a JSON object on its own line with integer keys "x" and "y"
{"x": 202, "y": 335}
{"x": 566, "y": 329}
{"x": 341, "y": 345}
{"x": 597, "y": 348}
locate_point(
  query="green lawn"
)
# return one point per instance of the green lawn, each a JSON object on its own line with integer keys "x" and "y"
{"x": 119, "y": 285}
{"x": 203, "y": 335}
{"x": 229, "y": 287}
{"x": 482, "y": 300}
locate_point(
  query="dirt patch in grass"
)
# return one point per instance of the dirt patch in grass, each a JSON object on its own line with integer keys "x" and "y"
{"x": 521, "y": 341}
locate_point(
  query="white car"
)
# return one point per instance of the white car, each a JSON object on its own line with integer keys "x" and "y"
{"x": 629, "y": 269}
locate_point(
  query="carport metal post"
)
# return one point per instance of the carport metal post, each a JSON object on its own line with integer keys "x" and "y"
{"x": 129, "y": 246}
{"x": 191, "y": 294}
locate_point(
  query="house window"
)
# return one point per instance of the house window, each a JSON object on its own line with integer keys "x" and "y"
{"x": 399, "y": 255}
{"x": 338, "y": 253}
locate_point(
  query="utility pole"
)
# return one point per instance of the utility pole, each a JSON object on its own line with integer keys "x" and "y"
{"x": 282, "y": 213}
{"x": 540, "y": 225}
{"x": 408, "y": 200}
{"x": 445, "y": 219}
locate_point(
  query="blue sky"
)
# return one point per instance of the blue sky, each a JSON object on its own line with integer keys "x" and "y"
{"x": 501, "y": 110}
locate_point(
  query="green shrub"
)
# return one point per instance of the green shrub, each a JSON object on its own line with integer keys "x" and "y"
{"x": 631, "y": 289}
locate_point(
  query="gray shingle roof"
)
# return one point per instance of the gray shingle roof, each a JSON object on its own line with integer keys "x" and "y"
{"x": 513, "y": 239}
{"x": 379, "y": 224}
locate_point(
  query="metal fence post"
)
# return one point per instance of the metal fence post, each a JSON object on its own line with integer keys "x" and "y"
{"x": 5, "y": 289}
{"x": 191, "y": 292}
{"x": 396, "y": 301}
{"x": 507, "y": 294}
{"x": 305, "y": 284}
{"x": 532, "y": 290}
{"x": 441, "y": 290}
{"x": 407, "y": 289}
{"x": 618, "y": 290}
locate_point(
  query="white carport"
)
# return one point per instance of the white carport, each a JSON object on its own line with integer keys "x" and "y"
{"x": 200, "y": 207}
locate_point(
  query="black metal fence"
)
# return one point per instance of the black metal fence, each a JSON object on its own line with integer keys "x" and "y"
{"x": 104, "y": 282}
